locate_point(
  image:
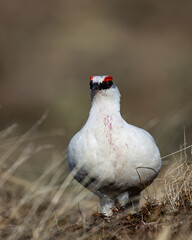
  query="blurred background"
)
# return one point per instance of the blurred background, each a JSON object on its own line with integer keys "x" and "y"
{"x": 49, "y": 49}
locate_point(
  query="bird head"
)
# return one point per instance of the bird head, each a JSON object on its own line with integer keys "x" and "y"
{"x": 101, "y": 82}
{"x": 102, "y": 89}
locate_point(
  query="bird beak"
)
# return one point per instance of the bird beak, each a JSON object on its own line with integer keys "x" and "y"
{"x": 94, "y": 86}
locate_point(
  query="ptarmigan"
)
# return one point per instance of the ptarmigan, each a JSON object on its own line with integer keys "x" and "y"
{"x": 113, "y": 159}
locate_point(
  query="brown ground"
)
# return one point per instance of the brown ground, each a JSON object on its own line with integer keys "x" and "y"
{"x": 155, "y": 220}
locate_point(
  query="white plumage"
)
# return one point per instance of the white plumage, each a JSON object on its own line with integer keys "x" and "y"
{"x": 110, "y": 157}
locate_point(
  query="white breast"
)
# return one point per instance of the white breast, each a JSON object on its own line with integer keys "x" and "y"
{"x": 114, "y": 152}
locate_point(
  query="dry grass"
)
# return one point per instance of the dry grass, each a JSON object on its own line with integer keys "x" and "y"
{"x": 54, "y": 206}
{"x": 178, "y": 187}
{"x": 178, "y": 179}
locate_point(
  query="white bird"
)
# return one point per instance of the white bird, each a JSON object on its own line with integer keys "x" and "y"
{"x": 113, "y": 159}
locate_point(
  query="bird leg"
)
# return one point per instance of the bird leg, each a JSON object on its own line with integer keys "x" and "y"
{"x": 107, "y": 205}
{"x": 123, "y": 199}
{"x": 133, "y": 203}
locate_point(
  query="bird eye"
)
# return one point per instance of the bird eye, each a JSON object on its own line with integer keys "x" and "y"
{"x": 108, "y": 78}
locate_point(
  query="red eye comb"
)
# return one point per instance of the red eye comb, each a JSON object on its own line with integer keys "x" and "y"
{"x": 108, "y": 78}
{"x": 91, "y": 78}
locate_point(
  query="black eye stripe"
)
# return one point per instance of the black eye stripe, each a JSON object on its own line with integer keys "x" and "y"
{"x": 100, "y": 86}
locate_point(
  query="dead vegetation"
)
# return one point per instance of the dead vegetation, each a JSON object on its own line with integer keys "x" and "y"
{"x": 54, "y": 206}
